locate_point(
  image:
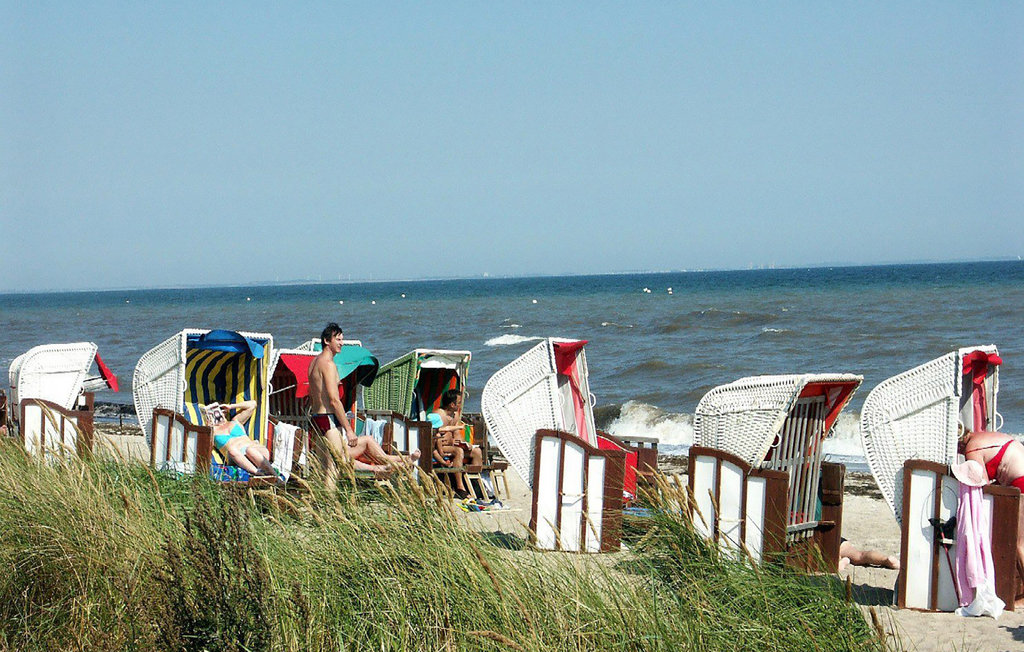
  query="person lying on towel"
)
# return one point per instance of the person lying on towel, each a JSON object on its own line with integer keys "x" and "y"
{"x": 230, "y": 439}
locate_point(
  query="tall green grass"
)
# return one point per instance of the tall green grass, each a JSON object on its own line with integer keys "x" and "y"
{"x": 102, "y": 555}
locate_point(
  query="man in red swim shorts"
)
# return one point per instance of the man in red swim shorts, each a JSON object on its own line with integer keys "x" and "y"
{"x": 329, "y": 419}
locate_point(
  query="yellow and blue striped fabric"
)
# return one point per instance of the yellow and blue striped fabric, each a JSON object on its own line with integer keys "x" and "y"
{"x": 226, "y": 377}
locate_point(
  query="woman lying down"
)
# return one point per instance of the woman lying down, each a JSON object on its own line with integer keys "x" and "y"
{"x": 230, "y": 439}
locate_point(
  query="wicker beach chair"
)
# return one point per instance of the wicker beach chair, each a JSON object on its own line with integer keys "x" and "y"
{"x": 53, "y": 395}
{"x": 194, "y": 368}
{"x": 539, "y": 409}
{"x": 909, "y": 429}
{"x": 412, "y": 385}
{"x": 756, "y": 468}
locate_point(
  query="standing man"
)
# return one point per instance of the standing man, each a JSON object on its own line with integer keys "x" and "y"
{"x": 330, "y": 421}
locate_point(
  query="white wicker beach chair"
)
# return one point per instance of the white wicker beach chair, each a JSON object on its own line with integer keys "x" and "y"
{"x": 175, "y": 377}
{"x": 756, "y": 463}
{"x": 529, "y": 394}
{"x": 539, "y": 409}
{"x": 52, "y": 394}
{"x": 52, "y": 372}
{"x": 909, "y": 429}
{"x": 915, "y": 415}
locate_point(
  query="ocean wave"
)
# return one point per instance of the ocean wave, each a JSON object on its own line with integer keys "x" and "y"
{"x": 611, "y": 323}
{"x": 641, "y": 419}
{"x": 509, "y": 340}
{"x": 675, "y": 430}
{"x": 773, "y": 331}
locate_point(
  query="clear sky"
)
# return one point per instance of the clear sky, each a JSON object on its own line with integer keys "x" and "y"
{"x": 154, "y": 144}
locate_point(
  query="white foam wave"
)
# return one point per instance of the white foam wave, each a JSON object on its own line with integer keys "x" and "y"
{"x": 641, "y": 419}
{"x": 775, "y": 330}
{"x": 511, "y": 326}
{"x": 509, "y": 340}
{"x": 675, "y": 430}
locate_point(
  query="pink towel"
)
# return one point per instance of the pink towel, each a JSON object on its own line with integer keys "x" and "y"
{"x": 975, "y": 575}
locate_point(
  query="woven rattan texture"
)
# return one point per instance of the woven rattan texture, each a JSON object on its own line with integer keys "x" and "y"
{"x": 518, "y": 400}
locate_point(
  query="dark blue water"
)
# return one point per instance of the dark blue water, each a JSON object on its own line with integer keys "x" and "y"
{"x": 660, "y": 351}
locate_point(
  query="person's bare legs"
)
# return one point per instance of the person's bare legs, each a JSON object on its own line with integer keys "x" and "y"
{"x": 476, "y": 456}
{"x": 457, "y": 459}
{"x": 233, "y": 451}
{"x": 368, "y": 445}
{"x": 260, "y": 456}
{"x": 859, "y": 557}
{"x": 325, "y": 447}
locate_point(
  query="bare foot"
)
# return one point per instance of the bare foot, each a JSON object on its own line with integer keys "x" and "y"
{"x": 415, "y": 455}
{"x": 844, "y": 563}
{"x": 893, "y": 563}
{"x": 380, "y": 471}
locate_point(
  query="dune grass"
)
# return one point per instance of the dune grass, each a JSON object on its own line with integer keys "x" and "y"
{"x": 104, "y": 555}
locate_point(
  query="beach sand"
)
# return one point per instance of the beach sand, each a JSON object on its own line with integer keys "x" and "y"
{"x": 868, "y": 523}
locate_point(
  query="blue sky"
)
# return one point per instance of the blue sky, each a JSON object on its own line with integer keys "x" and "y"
{"x": 146, "y": 144}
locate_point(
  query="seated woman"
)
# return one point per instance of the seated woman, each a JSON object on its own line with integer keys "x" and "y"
{"x": 450, "y": 449}
{"x": 230, "y": 439}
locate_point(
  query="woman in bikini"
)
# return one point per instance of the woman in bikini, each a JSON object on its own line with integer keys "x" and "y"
{"x": 230, "y": 439}
{"x": 1000, "y": 454}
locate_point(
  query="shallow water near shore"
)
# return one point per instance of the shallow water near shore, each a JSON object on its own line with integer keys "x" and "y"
{"x": 658, "y": 341}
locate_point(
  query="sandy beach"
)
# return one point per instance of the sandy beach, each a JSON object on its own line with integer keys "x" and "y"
{"x": 867, "y": 523}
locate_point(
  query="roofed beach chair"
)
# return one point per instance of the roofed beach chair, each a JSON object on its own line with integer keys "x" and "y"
{"x": 539, "y": 410}
{"x": 53, "y": 395}
{"x": 756, "y": 469}
{"x": 289, "y": 385}
{"x": 194, "y": 368}
{"x": 411, "y": 386}
{"x": 909, "y": 429}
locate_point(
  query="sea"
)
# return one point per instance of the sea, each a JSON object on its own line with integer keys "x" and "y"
{"x": 657, "y": 341}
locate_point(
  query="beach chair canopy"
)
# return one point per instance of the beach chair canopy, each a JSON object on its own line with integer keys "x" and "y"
{"x": 289, "y": 373}
{"x": 198, "y": 367}
{"x": 915, "y": 415}
{"x": 413, "y": 384}
{"x": 746, "y": 417}
{"x": 59, "y": 373}
{"x": 545, "y": 388}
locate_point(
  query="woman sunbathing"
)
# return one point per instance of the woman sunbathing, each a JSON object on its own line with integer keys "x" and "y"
{"x": 1000, "y": 454}
{"x": 230, "y": 439}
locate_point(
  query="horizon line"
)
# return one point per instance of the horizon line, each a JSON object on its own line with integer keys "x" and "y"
{"x": 485, "y": 275}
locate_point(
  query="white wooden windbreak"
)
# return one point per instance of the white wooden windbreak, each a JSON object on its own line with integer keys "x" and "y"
{"x": 915, "y": 416}
{"x": 570, "y": 511}
{"x": 731, "y": 503}
{"x": 175, "y": 446}
{"x": 52, "y": 372}
{"x": 528, "y": 395}
{"x": 46, "y": 428}
{"x": 924, "y": 570}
